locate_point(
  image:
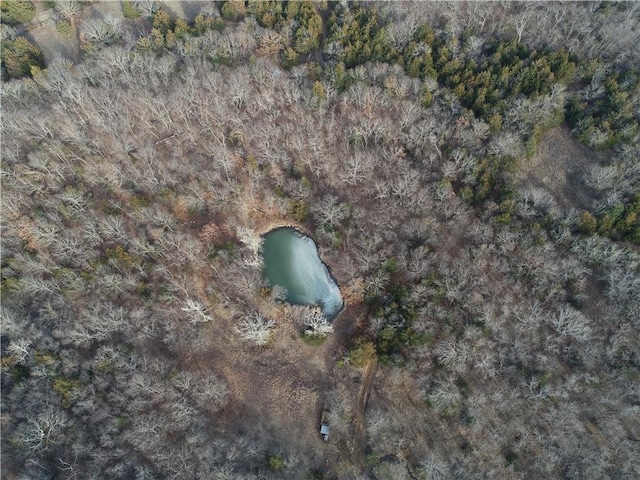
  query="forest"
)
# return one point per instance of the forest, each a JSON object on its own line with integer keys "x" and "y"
{"x": 468, "y": 170}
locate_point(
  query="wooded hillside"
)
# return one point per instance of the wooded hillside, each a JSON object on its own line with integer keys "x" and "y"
{"x": 492, "y": 319}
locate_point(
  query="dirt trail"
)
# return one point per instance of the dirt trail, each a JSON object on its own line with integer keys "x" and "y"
{"x": 359, "y": 436}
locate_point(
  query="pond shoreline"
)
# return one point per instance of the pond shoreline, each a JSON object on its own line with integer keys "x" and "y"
{"x": 271, "y": 226}
{"x": 304, "y": 233}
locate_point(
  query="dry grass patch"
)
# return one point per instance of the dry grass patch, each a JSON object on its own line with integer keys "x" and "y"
{"x": 559, "y": 167}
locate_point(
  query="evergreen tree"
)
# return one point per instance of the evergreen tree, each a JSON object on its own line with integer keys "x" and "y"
{"x": 18, "y": 57}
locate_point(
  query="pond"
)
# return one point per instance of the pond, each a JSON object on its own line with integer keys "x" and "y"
{"x": 291, "y": 260}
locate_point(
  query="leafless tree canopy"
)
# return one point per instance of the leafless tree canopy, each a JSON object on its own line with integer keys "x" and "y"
{"x": 136, "y": 323}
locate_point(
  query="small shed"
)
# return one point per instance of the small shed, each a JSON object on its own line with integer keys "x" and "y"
{"x": 324, "y": 431}
{"x": 324, "y": 426}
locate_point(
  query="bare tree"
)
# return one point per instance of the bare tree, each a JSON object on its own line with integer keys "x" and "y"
{"x": 432, "y": 468}
{"x": 147, "y": 7}
{"x": 250, "y": 239}
{"x": 197, "y": 311}
{"x": 19, "y": 350}
{"x": 67, "y": 8}
{"x": 42, "y": 428}
{"x": 445, "y": 397}
{"x": 572, "y": 323}
{"x": 99, "y": 31}
{"x": 256, "y": 328}
{"x": 452, "y": 354}
{"x": 129, "y": 178}
{"x": 316, "y": 323}
{"x": 330, "y": 211}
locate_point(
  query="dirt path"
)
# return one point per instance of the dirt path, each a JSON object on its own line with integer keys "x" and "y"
{"x": 359, "y": 436}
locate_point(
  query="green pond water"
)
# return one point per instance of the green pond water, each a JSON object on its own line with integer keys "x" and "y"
{"x": 291, "y": 260}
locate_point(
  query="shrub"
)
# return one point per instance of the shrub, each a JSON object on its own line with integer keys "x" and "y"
{"x": 426, "y": 98}
{"x": 19, "y": 56}
{"x": 362, "y": 352}
{"x": 604, "y": 115}
{"x": 275, "y": 462}
{"x": 162, "y": 21}
{"x": 129, "y": 10}
{"x": 121, "y": 255}
{"x": 360, "y": 33}
{"x": 269, "y": 14}
{"x": 66, "y": 388}
{"x": 19, "y": 373}
{"x": 64, "y": 28}
{"x": 17, "y": 11}
{"x": 313, "y": 339}
{"x": 203, "y": 23}
{"x": 289, "y": 57}
{"x": 299, "y": 210}
{"x": 318, "y": 91}
{"x": 181, "y": 28}
{"x": 587, "y": 224}
{"x": 233, "y": 10}
{"x": 307, "y": 35}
